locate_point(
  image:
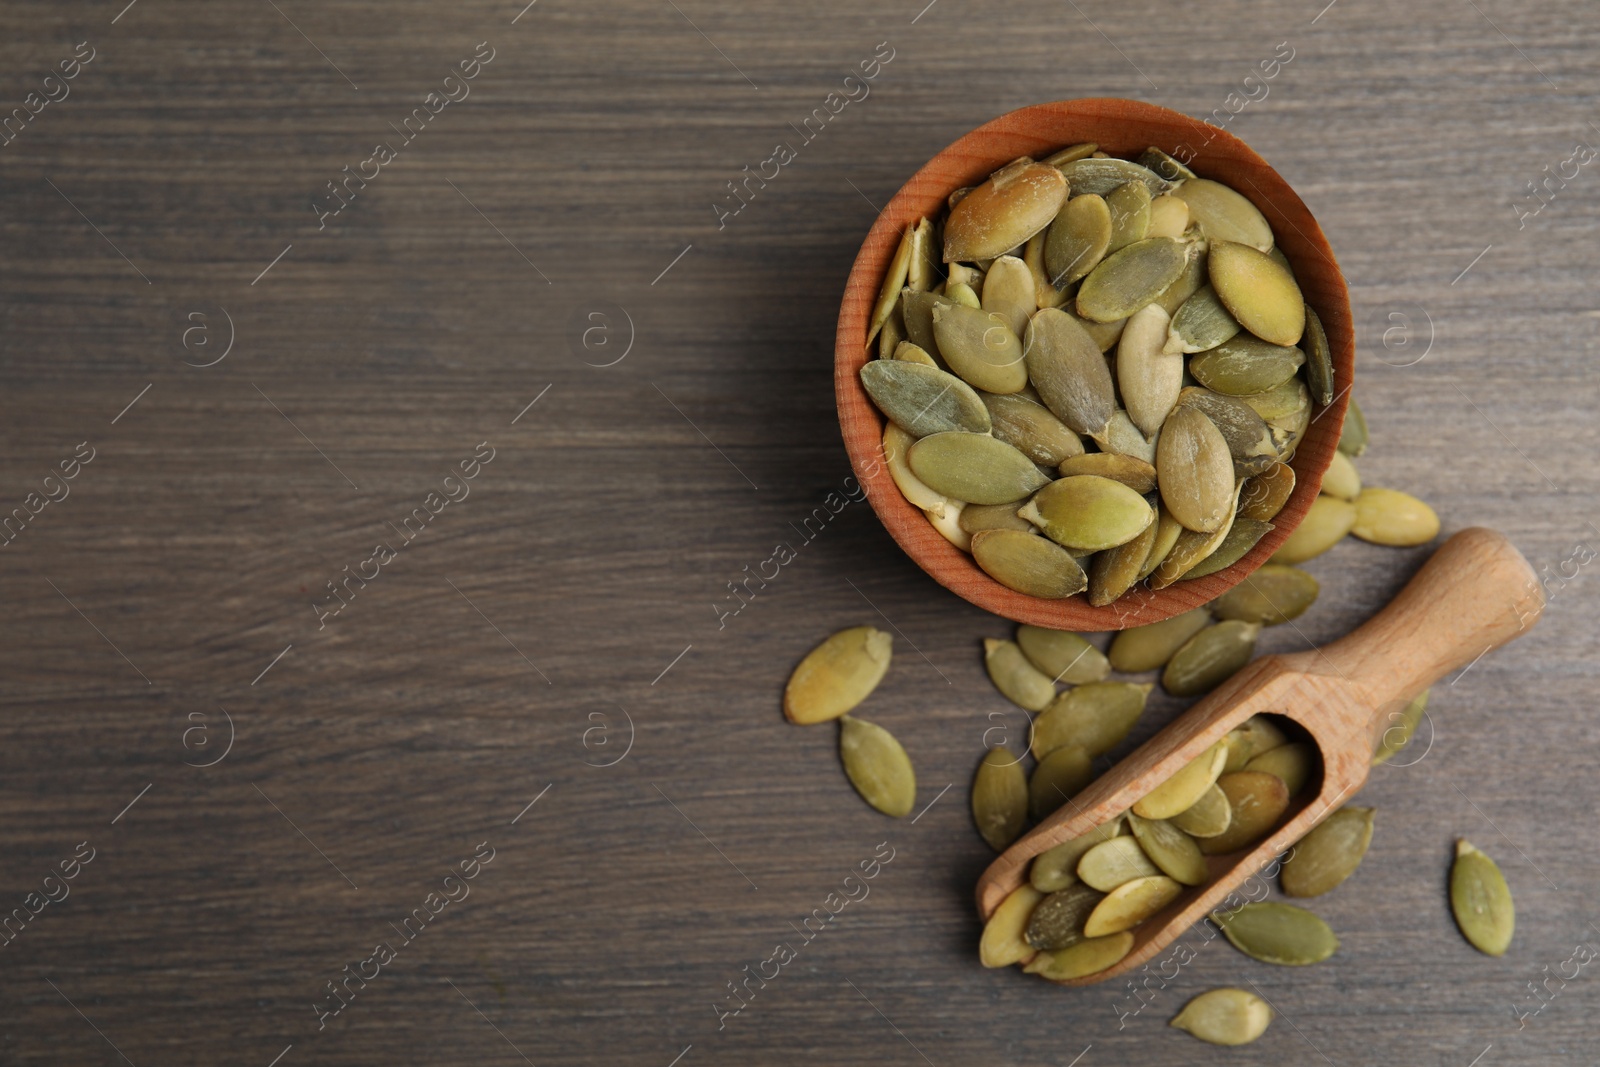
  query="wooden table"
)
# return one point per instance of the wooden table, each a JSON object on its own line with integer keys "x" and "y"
{"x": 538, "y": 274}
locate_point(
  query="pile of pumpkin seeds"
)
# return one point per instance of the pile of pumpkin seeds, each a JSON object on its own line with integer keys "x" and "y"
{"x": 1106, "y": 382}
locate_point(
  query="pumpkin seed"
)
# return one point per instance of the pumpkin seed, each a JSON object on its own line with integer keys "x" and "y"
{"x": 1207, "y": 817}
{"x": 1278, "y": 933}
{"x": 1156, "y": 160}
{"x": 917, "y": 309}
{"x": 946, "y": 519}
{"x": 877, "y": 766}
{"x": 1031, "y": 429}
{"x": 1064, "y": 656}
{"x": 1184, "y": 788}
{"x": 1169, "y": 217}
{"x": 922, "y": 272}
{"x": 1104, "y": 334}
{"x": 1089, "y": 956}
{"x": 1000, "y": 798}
{"x": 1057, "y": 920}
{"x": 1078, "y": 240}
{"x": 1115, "y": 570}
{"x": 1095, "y": 717}
{"x": 1100, "y": 176}
{"x": 1353, "y": 433}
{"x": 1210, "y": 658}
{"x": 963, "y": 294}
{"x": 1258, "y": 291}
{"x": 1224, "y": 215}
{"x": 1249, "y": 439}
{"x": 976, "y": 517}
{"x": 1280, "y": 402}
{"x": 1481, "y": 901}
{"x": 1257, "y": 801}
{"x": 1325, "y": 524}
{"x": 1045, "y": 295}
{"x": 1243, "y": 365}
{"x": 1271, "y": 594}
{"x": 1195, "y": 471}
{"x": 1200, "y": 324}
{"x": 1170, "y": 849}
{"x": 1390, "y": 517}
{"x": 1399, "y": 735}
{"x": 1251, "y": 738}
{"x": 1003, "y": 942}
{"x": 1028, "y": 563}
{"x": 1225, "y": 1017}
{"x": 1008, "y": 292}
{"x": 1240, "y": 539}
{"x": 1150, "y": 379}
{"x": 1057, "y": 868}
{"x": 1319, "y": 359}
{"x": 1136, "y": 474}
{"x": 972, "y": 467}
{"x": 1066, "y": 366}
{"x": 1128, "y": 279}
{"x": 1087, "y": 512}
{"x": 1189, "y": 282}
{"x": 962, "y": 274}
{"x": 889, "y": 292}
{"x": 1129, "y": 204}
{"x": 1264, "y": 494}
{"x": 1188, "y": 550}
{"x": 1073, "y": 152}
{"x": 892, "y": 332}
{"x": 1168, "y": 531}
{"x": 907, "y": 352}
{"x": 1287, "y": 430}
{"x": 1057, "y": 777}
{"x": 924, "y": 399}
{"x": 1130, "y": 904}
{"x": 1328, "y": 854}
{"x": 981, "y": 348}
{"x": 1113, "y": 863}
{"x": 1292, "y": 764}
{"x": 1015, "y": 203}
{"x": 1018, "y": 680}
{"x": 1147, "y": 648}
{"x": 1341, "y": 479}
{"x": 837, "y": 675}
{"x": 896, "y": 444}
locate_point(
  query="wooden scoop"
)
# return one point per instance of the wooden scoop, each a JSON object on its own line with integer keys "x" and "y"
{"x": 1476, "y": 593}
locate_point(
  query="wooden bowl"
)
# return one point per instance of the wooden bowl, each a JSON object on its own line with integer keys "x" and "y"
{"x": 1121, "y": 128}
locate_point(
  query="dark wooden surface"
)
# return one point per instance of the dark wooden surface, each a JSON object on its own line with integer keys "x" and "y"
{"x": 591, "y": 552}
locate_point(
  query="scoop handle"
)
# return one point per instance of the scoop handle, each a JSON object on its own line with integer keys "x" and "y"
{"x": 1474, "y": 594}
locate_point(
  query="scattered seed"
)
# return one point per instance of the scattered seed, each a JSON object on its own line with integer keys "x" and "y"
{"x": 1390, "y": 517}
{"x": 1225, "y": 1017}
{"x": 1257, "y": 801}
{"x": 1271, "y": 594}
{"x": 1399, "y": 735}
{"x": 1064, "y": 656}
{"x": 1325, "y": 525}
{"x": 1147, "y": 648}
{"x": 1000, "y": 797}
{"x": 923, "y": 400}
{"x": 973, "y": 468}
{"x": 837, "y": 675}
{"x": 1210, "y": 658}
{"x": 1015, "y": 203}
{"x": 877, "y": 766}
{"x": 1028, "y": 564}
{"x": 1018, "y": 680}
{"x": 1057, "y": 777}
{"x": 1353, "y": 434}
{"x": 1481, "y": 901}
{"x": 1095, "y": 717}
{"x": 1278, "y": 933}
{"x": 1341, "y": 479}
{"x": 1181, "y": 791}
{"x": 1328, "y": 854}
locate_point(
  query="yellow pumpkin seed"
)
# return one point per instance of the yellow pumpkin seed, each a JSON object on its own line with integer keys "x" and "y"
{"x": 1086, "y": 512}
{"x": 1353, "y": 432}
{"x": 1257, "y": 801}
{"x": 1134, "y": 473}
{"x": 1207, "y": 817}
{"x": 1095, "y": 717}
{"x": 1195, "y": 471}
{"x": 922, "y": 272}
{"x": 1003, "y": 942}
{"x": 1319, "y": 359}
{"x": 1089, "y": 956}
{"x": 893, "y": 282}
{"x": 1325, "y": 525}
{"x": 877, "y": 766}
{"x": 972, "y": 467}
{"x": 1258, "y": 291}
{"x": 1170, "y": 849}
{"x": 1341, "y": 479}
{"x": 1201, "y": 323}
{"x": 1114, "y": 571}
{"x": 1225, "y": 1017}
{"x": 1278, "y": 933}
{"x": 977, "y": 517}
{"x": 1031, "y": 428}
{"x": 1113, "y": 863}
{"x": 1390, "y": 517}
{"x": 1265, "y": 494}
{"x": 1130, "y": 904}
{"x": 892, "y": 332}
{"x": 962, "y": 294}
{"x": 1149, "y": 378}
{"x": 1271, "y": 594}
{"x": 896, "y": 444}
{"x": 1292, "y": 764}
{"x": 1224, "y": 215}
{"x": 1210, "y": 658}
{"x": 1008, "y": 292}
{"x": 837, "y": 675}
{"x": 910, "y": 353}
{"x": 1181, "y": 791}
{"x": 1057, "y": 868}
{"x": 1066, "y": 366}
{"x": 1000, "y": 798}
{"x": 1018, "y": 680}
{"x": 980, "y": 348}
{"x": 1078, "y": 240}
{"x": 923, "y": 400}
{"x": 1028, "y": 564}
{"x": 1147, "y": 648}
{"x": 1129, "y": 205}
{"x": 1015, "y": 203}
{"x": 1072, "y": 153}
{"x": 1251, "y": 738}
{"x": 1168, "y": 532}
{"x": 1056, "y": 778}
{"x": 1329, "y": 854}
{"x": 1399, "y": 735}
{"x": 1245, "y": 365}
{"x": 947, "y": 520}
{"x": 1481, "y": 901}
{"x": 1062, "y": 655}
{"x": 1169, "y": 217}
{"x": 1130, "y": 278}
{"x": 1057, "y": 920}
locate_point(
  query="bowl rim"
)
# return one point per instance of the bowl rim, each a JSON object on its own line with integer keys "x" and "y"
{"x": 1033, "y": 131}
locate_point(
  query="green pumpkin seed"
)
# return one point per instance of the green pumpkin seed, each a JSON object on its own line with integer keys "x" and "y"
{"x": 1057, "y": 920}
{"x": 1000, "y": 798}
{"x": 1481, "y": 901}
{"x": 972, "y": 467}
{"x": 1189, "y": 282}
{"x": 1257, "y": 801}
{"x": 1028, "y": 563}
{"x": 1244, "y": 365}
{"x": 1195, "y": 470}
{"x": 1265, "y": 494}
{"x": 1147, "y": 648}
{"x": 1251, "y": 738}
{"x": 1207, "y": 817}
{"x": 1224, "y": 215}
{"x": 1128, "y": 279}
{"x": 1078, "y": 240}
{"x": 1115, "y": 570}
{"x": 1045, "y": 295}
{"x": 1100, "y": 176}
{"x": 1057, "y": 868}
{"x": 1240, "y": 539}
{"x": 1073, "y": 152}
{"x": 1168, "y": 532}
{"x": 1225, "y": 1017}
{"x": 1210, "y": 658}
{"x": 981, "y": 348}
{"x": 1249, "y": 438}
{"x": 896, "y": 445}
{"x": 1086, "y": 512}
{"x": 1150, "y": 379}
{"x": 978, "y": 517}
{"x": 1271, "y": 594}
{"x": 922, "y": 272}
{"x": 1095, "y": 717}
{"x": 893, "y": 331}
{"x": 1258, "y": 291}
{"x": 1064, "y": 656}
{"x": 1130, "y": 904}
{"x": 907, "y": 352}
{"x": 1201, "y": 323}
{"x": 1136, "y": 474}
{"x": 1319, "y": 359}
{"x": 1325, "y": 525}
{"x": 893, "y": 282}
{"x": 1341, "y": 479}
{"x": 1015, "y": 203}
{"x": 1105, "y": 335}
{"x": 1057, "y": 777}
{"x": 1278, "y": 933}
{"x": 1008, "y": 292}
{"x": 1353, "y": 434}
{"x": 1158, "y": 161}
{"x": 877, "y": 766}
{"x": 1399, "y": 735}
{"x": 1170, "y": 849}
{"x": 1089, "y": 956}
{"x": 837, "y": 675}
{"x": 1129, "y": 204}
{"x": 924, "y": 400}
{"x": 1113, "y": 863}
{"x": 1292, "y": 764}
{"x": 1188, "y": 550}
{"x": 1169, "y": 217}
{"x": 1031, "y": 428}
{"x": 1003, "y": 942}
{"x": 1018, "y": 680}
{"x": 1328, "y": 854}
{"x": 1121, "y": 437}
{"x": 1181, "y": 791}
{"x": 1066, "y": 366}
{"x": 1390, "y": 517}
{"x": 963, "y": 294}
{"x": 962, "y": 274}
{"x": 1287, "y": 430}
{"x": 917, "y": 308}
{"x": 1277, "y": 404}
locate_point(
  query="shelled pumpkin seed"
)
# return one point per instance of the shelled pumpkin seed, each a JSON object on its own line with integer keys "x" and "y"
{"x": 1278, "y": 933}
{"x": 1000, "y": 797}
{"x": 877, "y": 766}
{"x": 1481, "y": 900}
{"x": 1016, "y": 677}
{"x": 1225, "y": 1017}
{"x": 1398, "y": 736}
{"x": 1329, "y": 854}
{"x": 1095, "y": 717}
{"x": 837, "y": 675}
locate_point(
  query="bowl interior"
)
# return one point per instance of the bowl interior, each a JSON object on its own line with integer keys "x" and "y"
{"x": 1121, "y": 128}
